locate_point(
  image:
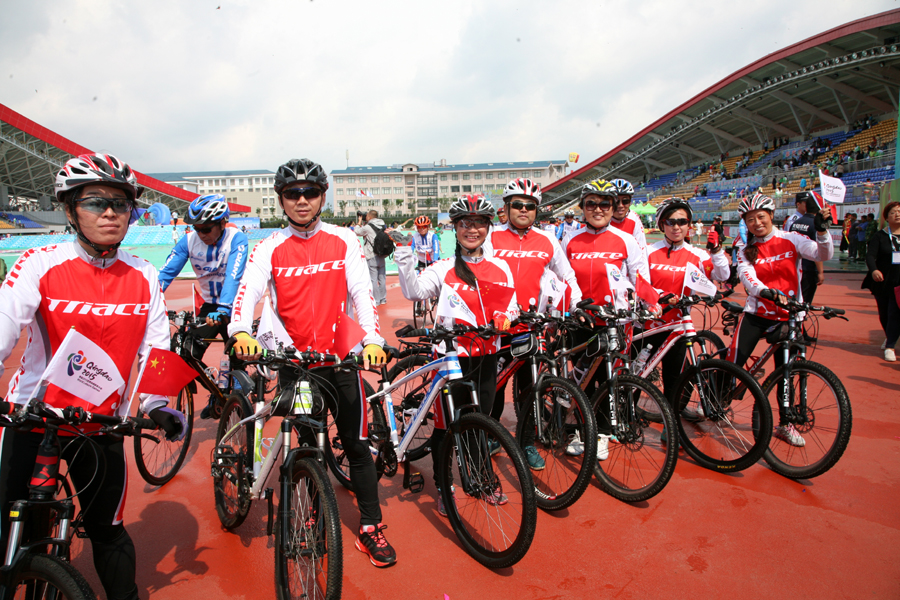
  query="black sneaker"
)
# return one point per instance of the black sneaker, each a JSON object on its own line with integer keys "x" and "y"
{"x": 371, "y": 540}
{"x": 206, "y": 413}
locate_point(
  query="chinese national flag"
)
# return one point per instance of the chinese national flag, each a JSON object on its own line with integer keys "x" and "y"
{"x": 165, "y": 373}
{"x": 198, "y": 301}
{"x": 347, "y": 334}
{"x": 645, "y": 291}
{"x": 495, "y": 297}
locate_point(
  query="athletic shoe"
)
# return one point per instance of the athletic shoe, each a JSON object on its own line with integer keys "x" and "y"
{"x": 603, "y": 446}
{"x": 576, "y": 446}
{"x": 371, "y": 540}
{"x": 206, "y": 413}
{"x": 493, "y": 447}
{"x": 694, "y": 414}
{"x": 442, "y": 510}
{"x": 890, "y": 355}
{"x": 497, "y": 497}
{"x": 787, "y": 433}
{"x": 534, "y": 459}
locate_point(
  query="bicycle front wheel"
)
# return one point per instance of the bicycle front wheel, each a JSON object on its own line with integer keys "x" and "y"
{"x": 308, "y": 547}
{"x": 232, "y": 464}
{"x": 490, "y": 500}
{"x": 821, "y": 416}
{"x": 724, "y": 419}
{"x": 336, "y": 457}
{"x": 157, "y": 459}
{"x": 641, "y": 453}
{"x": 566, "y": 445}
{"x": 44, "y": 576}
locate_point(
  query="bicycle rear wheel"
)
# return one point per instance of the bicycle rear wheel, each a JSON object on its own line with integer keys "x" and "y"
{"x": 490, "y": 501}
{"x": 336, "y": 458}
{"x": 44, "y": 576}
{"x": 407, "y": 399}
{"x": 822, "y": 417}
{"x": 423, "y": 312}
{"x": 232, "y": 464}
{"x": 308, "y": 545}
{"x": 641, "y": 453}
{"x": 724, "y": 418}
{"x": 157, "y": 459}
{"x": 566, "y": 419}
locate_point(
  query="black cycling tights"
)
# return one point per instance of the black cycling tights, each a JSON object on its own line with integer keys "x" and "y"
{"x": 103, "y": 503}
{"x": 482, "y": 371}
{"x": 350, "y": 418}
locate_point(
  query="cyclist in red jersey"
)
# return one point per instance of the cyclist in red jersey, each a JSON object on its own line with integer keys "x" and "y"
{"x": 467, "y": 272}
{"x": 623, "y": 217}
{"x": 589, "y": 250}
{"x": 770, "y": 269}
{"x": 114, "y": 299}
{"x": 529, "y": 252}
{"x": 314, "y": 272}
{"x": 668, "y": 260}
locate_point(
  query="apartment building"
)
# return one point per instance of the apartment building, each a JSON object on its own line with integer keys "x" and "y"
{"x": 253, "y": 188}
{"x": 413, "y": 188}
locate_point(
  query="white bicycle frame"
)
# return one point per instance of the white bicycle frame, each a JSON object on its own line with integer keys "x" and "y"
{"x": 447, "y": 369}
{"x": 684, "y": 327}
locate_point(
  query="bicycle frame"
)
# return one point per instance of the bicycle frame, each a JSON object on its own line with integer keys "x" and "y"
{"x": 683, "y": 328}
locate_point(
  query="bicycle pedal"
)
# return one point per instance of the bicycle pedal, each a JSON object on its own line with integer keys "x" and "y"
{"x": 416, "y": 483}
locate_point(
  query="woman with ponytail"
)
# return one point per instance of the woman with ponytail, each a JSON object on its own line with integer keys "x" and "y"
{"x": 470, "y": 273}
{"x": 770, "y": 269}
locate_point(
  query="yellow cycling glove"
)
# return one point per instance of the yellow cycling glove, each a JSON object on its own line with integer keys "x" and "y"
{"x": 245, "y": 346}
{"x": 374, "y": 354}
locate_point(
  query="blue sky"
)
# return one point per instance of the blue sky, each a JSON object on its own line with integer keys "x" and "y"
{"x": 208, "y": 85}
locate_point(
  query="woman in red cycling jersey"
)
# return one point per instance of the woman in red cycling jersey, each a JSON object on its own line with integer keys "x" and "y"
{"x": 589, "y": 251}
{"x": 467, "y": 272}
{"x": 668, "y": 260}
{"x": 770, "y": 269}
{"x": 114, "y": 299}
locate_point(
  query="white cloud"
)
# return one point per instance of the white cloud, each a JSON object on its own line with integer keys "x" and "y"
{"x": 187, "y": 86}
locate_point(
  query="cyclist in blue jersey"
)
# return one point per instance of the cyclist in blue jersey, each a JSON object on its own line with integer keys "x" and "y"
{"x": 218, "y": 255}
{"x": 425, "y": 243}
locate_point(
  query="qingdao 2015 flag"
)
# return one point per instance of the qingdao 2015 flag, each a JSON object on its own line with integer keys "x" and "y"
{"x": 83, "y": 369}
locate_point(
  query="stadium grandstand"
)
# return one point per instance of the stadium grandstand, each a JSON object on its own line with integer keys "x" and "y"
{"x": 30, "y": 157}
{"x": 828, "y": 102}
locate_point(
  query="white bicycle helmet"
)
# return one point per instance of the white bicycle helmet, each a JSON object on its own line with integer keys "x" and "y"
{"x": 470, "y": 206}
{"x": 623, "y": 187}
{"x": 211, "y": 208}
{"x": 522, "y": 187}
{"x": 669, "y": 206}
{"x": 103, "y": 169}
{"x": 756, "y": 202}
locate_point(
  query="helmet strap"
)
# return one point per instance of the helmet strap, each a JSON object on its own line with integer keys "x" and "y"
{"x": 308, "y": 224}
{"x": 107, "y": 252}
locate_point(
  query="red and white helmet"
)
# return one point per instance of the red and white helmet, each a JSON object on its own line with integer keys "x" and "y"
{"x": 104, "y": 169}
{"x": 522, "y": 187}
{"x": 756, "y": 202}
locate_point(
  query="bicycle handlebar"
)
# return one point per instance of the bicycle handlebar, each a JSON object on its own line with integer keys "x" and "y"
{"x": 71, "y": 415}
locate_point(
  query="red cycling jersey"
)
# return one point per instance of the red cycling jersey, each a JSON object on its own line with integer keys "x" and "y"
{"x": 528, "y": 256}
{"x": 589, "y": 250}
{"x": 428, "y": 284}
{"x": 116, "y": 302}
{"x": 312, "y": 278}
{"x": 631, "y": 224}
{"x": 778, "y": 267}
{"x": 668, "y": 265}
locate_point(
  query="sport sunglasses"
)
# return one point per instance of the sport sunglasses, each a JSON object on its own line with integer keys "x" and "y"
{"x": 308, "y": 193}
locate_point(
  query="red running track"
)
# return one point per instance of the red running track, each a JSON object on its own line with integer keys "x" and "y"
{"x": 752, "y": 534}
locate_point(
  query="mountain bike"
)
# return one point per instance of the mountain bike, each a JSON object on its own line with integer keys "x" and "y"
{"x": 308, "y": 545}
{"x": 423, "y": 310}
{"x": 724, "y": 419}
{"x": 806, "y": 394}
{"x": 495, "y": 533}
{"x": 41, "y": 527}
{"x": 565, "y": 419}
{"x": 642, "y": 430}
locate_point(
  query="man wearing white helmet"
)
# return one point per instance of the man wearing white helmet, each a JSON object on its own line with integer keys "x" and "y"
{"x": 569, "y": 225}
{"x": 623, "y": 217}
{"x": 218, "y": 255}
{"x": 114, "y": 299}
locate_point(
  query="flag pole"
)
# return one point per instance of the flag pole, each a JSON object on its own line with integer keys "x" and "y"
{"x": 138, "y": 382}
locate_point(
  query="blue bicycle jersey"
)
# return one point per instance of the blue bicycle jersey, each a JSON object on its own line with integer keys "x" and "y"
{"x": 219, "y": 268}
{"x": 426, "y": 245}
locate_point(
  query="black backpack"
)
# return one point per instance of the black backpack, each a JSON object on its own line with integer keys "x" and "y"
{"x": 382, "y": 245}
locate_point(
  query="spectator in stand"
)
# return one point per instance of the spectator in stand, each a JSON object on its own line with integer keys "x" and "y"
{"x": 803, "y": 184}
{"x": 883, "y": 278}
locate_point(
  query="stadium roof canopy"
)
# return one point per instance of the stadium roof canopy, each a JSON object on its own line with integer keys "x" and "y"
{"x": 825, "y": 82}
{"x": 31, "y": 155}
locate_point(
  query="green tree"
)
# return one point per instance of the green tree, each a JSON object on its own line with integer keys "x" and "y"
{"x": 343, "y": 205}
{"x": 387, "y": 206}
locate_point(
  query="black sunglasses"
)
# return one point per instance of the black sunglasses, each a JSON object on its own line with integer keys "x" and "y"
{"x": 623, "y": 201}
{"x": 602, "y": 205}
{"x": 678, "y": 222}
{"x": 519, "y": 205}
{"x": 98, "y": 206}
{"x": 295, "y": 193}
{"x": 203, "y": 230}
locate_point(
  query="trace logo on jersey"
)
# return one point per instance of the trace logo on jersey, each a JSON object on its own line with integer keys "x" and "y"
{"x": 521, "y": 254}
{"x": 76, "y": 361}
{"x": 329, "y": 265}
{"x": 598, "y": 255}
{"x": 80, "y": 307}
{"x": 776, "y": 258}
